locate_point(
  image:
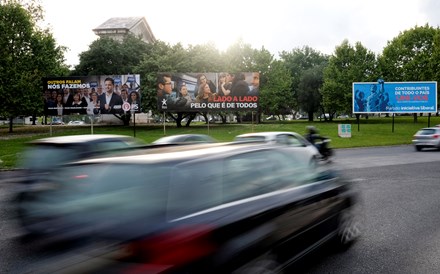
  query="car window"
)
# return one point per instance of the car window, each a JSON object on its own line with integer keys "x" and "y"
{"x": 282, "y": 139}
{"x": 197, "y": 139}
{"x": 111, "y": 192}
{"x": 250, "y": 138}
{"x": 296, "y": 141}
{"x": 288, "y": 139}
{"x": 110, "y": 145}
{"x": 426, "y": 131}
{"x": 194, "y": 186}
{"x": 257, "y": 173}
{"x": 47, "y": 156}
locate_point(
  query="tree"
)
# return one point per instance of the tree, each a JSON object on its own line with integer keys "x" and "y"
{"x": 28, "y": 53}
{"x": 241, "y": 57}
{"x": 435, "y": 65}
{"x": 203, "y": 58}
{"x": 107, "y": 56}
{"x": 412, "y": 56}
{"x": 308, "y": 91}
{"x": 408, "y": 57}
{"x": 347, "y": 65}
{"x": 300, "y": 61}
{"x": 275, "y": 95}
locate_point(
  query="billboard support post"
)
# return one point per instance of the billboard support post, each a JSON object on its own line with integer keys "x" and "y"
{"x": 429, "y": 119}
{"x": 393, "y": 124}
{"x": 134, "y": 122}
{"x": 252, "y": 121}
{"x": 164, "y": 132}
{"x": 358, "y": 118}
{"x": 207, "y": 116}
{"x": 91, "y": 123}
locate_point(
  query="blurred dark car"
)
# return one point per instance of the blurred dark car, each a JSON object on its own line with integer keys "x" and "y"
{"x": 208, "y": 208}
{"x": 43, "y": 156}
{"x": 427, "y": 138}
{"x": 184, "y": 139}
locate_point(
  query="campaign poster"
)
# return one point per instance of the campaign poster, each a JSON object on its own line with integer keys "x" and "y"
{"x": 193, "y": 92}
{"x": 91, "y": 95}
{"x": 395, "y": 97}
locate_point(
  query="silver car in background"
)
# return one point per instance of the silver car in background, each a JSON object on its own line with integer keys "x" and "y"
{"x": 185, "y": 139}
{"x": 428, "y": 137}
{"x": 291, "y": 139}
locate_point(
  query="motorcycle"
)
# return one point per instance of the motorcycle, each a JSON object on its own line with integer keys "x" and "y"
{"x": 324, "y": 148}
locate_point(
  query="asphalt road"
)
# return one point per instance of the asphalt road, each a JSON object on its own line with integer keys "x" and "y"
{"x": 401, "y": 196}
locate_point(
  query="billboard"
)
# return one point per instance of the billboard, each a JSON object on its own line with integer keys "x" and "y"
{"x": 394, "y": 97}
{"x": 192, "y": 92}
{"x": 91, "y": 95}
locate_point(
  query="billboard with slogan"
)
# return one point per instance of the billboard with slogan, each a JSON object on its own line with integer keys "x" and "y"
{"x": 186, "y": 92}
{"x": 394, "y": 97}
{"x": 92, "y": 95}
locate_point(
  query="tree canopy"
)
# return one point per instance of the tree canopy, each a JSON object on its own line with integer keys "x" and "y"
{"x": 107, "y": 56}
{"x": 306, "y": 67}
{"x": 302, "y": 79}
{"x": 348, "y": 64}
{"x": 28, "y": 53}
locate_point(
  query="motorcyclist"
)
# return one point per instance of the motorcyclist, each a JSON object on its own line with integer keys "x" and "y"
{"x": 313, "y": 136}
{"x": 318, "y": 141}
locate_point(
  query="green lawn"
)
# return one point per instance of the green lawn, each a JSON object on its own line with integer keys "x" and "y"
{"x": 377, "y": 131}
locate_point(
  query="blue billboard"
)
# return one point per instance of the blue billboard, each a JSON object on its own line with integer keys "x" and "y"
{"x": 394, "y": 97}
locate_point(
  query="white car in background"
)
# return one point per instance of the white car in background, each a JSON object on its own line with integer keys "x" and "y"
{"x": 185, "y": 139}
{"x": 284, "y": 138}
{"x": 428, "y": 137}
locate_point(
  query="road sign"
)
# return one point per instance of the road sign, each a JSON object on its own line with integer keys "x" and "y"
{"x": 344, "y": 130}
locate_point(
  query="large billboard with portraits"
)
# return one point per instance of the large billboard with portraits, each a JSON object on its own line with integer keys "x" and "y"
{"x": 192, "y": 92}
{"x": 91, "y": 95}
{"x": 394, "y": 97}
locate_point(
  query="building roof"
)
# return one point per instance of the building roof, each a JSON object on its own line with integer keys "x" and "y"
{"x": 124, "y": 25}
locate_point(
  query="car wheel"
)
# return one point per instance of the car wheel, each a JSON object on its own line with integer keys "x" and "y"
{"x": 266, "y": 264}
{"x": 418, "y": 148}
{"x": 350, "y": 227}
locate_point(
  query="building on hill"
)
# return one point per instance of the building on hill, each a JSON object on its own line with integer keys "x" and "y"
{"x": 118, "y": 27}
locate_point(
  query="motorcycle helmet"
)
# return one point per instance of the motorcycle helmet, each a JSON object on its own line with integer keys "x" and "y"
{"x": 311, "y": 130}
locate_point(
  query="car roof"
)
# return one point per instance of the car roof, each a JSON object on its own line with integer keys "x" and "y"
{"x": 156, "y": 154}
{"x": 80, "y": 138}
{"x": 267, "y": 133}
{"x": 180, "y": 137}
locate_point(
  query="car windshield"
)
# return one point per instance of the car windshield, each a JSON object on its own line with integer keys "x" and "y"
{"x": 167, "y": 139}
{"x": 112, "y": 193}
{"x": 184, "y": 138}
{"x": 46, "y": 156}
{"x": 426, "y": 131}
{"x": 250, "y": 138}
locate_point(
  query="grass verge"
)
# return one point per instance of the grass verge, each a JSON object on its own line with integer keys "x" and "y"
{"x": 376, "y": 131}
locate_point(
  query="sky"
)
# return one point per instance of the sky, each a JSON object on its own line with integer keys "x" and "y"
{"x": 277, "y": 25}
